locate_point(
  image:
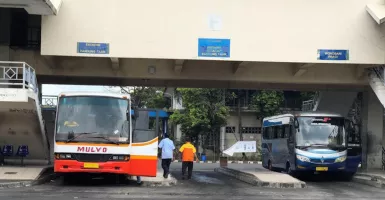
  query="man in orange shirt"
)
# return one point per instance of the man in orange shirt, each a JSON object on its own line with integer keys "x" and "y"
{"x": 188, "y": 153}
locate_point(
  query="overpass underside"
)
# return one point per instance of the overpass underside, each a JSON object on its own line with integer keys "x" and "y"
{"x": 194, "y": 73}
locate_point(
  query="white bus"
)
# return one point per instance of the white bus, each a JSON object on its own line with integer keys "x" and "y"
{"x": 94, "y": 133}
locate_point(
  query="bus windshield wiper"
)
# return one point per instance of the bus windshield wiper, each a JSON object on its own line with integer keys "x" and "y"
{"x": 80, "y": 134}
{"x": 102, "y": 137}
{"x": 313, "y": 145}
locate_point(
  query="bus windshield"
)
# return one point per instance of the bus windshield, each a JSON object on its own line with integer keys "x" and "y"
{"x": 92, "y": 119}
{"x": 320, "y": 131}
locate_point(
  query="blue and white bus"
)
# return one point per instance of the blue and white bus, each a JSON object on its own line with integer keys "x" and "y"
{"x": 306, "y": 142}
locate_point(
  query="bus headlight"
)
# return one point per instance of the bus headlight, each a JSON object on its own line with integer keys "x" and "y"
{"x": 303, "y": 158}
{"x": 340, "y": 159}
{"x": 63, "y": 156}
{"x": 120, "y": 158}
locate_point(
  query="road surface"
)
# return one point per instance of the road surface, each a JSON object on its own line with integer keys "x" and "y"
{"x": 205, "y": 184}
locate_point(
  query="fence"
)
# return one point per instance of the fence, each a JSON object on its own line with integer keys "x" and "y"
{"x": 49, "y": 101}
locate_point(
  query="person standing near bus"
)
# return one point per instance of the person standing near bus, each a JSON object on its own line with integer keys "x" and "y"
{"x": 168, "y": 148}
{"x": 188, "y": 153}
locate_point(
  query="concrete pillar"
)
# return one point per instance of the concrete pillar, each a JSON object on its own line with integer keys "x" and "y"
{"x": 5, "y": 33}
{"x": 223, "y": 138}
{"x": 372, "y": 131}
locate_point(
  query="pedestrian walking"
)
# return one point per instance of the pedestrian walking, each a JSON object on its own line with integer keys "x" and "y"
{"x": 188, "y": 153}
{"x": 168, "y": 148}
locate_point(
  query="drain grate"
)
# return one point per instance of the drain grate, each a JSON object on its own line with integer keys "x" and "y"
{"x": 10, "y": 172}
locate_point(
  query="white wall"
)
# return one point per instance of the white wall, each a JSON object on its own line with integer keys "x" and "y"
{"x": 248, "y": 120}
{"x": 260, "y": 30}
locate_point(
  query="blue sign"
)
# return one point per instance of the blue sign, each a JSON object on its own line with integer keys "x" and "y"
{"x": 213, "y": 47}
{"x": 330, "y": 54}
{"x": 93, "y": 48}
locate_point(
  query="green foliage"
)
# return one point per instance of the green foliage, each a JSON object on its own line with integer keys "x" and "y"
{"x": 147, "y": 97}
{"x": 267, "y": 103}
{"x": 204, "y": 112}
{"x": 307, "y": 96}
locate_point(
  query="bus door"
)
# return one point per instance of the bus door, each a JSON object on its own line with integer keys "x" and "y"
{"x": 144, "y": 151}
{"x": 354, "y": 148}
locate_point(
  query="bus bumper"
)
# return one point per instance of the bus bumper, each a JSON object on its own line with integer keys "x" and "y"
{"x": 319, "y": 167}
{"x": 73, "y": 166}
{"x": 135, "y": 167}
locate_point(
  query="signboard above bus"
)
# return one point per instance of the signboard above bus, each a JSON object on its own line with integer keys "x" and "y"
{"x": 208, "y": 47}
{"x": 93, "y": 48}
{"x": 333, "y": 54}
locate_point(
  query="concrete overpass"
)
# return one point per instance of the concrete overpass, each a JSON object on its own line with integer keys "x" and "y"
{"x": 302, "y": 45}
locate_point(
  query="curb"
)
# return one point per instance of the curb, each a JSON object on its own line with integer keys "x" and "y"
{"x": 228, "y": 162}
{"x": 253, "y": 180}
{"x": 44, "y": 176}
{"x": 371, "y": 180}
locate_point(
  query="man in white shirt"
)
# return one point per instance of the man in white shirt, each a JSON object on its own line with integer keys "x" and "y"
{"x": 168, "y": 148}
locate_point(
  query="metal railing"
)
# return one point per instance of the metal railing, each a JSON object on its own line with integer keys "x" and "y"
{"x": 49, "y": 101}
{"x": 383, "y": 158}
{"x": 18, "y": 75}
{"x": 309, "y": 105}
{"x": 378, "y": 71}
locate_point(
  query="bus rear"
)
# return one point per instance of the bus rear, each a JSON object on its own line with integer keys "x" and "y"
{"x": 94, "y": 134}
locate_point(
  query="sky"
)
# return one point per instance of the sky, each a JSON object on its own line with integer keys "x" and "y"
{"x": 51, "y": 89}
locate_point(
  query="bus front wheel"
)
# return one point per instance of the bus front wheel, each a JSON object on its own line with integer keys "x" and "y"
{"x": 288, "y": 169}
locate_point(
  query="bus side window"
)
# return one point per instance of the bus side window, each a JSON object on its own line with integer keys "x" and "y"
{"x": 264, "y": 133}
{"x": 270, "y": 132}
{"x": 275, "y": 132}
{"x": 286, "y": 131}
{"x": 291, "y": 132}
{"x": 279, "y": 131}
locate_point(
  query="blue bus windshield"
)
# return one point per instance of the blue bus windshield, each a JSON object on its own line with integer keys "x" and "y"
{"x": 324, "y": 131}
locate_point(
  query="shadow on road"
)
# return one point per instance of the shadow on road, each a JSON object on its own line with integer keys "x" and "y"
{"x": 323, "y": 177}
{"x": 95, "y": 180}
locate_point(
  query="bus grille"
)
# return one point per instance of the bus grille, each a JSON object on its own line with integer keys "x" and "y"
{"x": 326, "y": 161}
{"x": 92, "y": 157}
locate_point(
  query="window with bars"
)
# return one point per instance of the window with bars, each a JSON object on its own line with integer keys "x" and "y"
{"x": 230, "y": 129}
{"x": 255, "y": 130}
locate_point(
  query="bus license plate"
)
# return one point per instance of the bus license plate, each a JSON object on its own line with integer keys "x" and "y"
{"x": 91, "y": 165}
{"x": 321, "y": 169}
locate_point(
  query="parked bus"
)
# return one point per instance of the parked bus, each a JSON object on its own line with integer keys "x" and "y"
{"x": 99, "y": 133}
{"x": 306, "y": 142}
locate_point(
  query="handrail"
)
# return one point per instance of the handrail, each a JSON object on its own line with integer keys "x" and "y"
{"x": 49, "y": 101}
{"x": 309, "y": 105}
{"x": 383, "y": 158}
{"x": 18, "y": 75}
{"x": 378, "y": 71}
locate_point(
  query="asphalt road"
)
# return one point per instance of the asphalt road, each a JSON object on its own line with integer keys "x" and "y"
{"x": 205, "y": 184}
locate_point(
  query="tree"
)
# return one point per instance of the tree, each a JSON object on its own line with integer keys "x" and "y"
{"x": 147, "y": 97}
{"x": 203, "y": 115}
{"x": 267, "y": 103}
{"x": 307, "y": 95}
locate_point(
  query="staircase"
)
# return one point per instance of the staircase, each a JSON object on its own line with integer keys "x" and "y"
{"x": 21, "y": 120}
{"x": 331, "y": 101}
{"x": 376, "y": 81}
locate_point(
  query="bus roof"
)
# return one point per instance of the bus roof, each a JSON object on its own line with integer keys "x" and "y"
{"x": 305, "y": 114}
{"x": 102, "y": 94}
